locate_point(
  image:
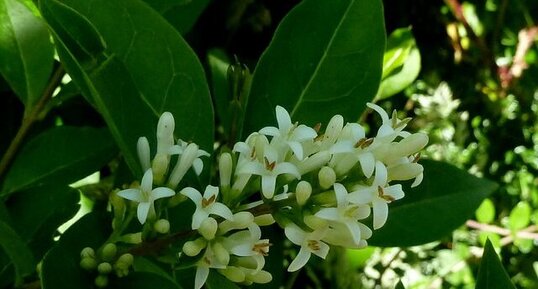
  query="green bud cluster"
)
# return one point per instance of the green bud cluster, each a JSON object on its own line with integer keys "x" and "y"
{"x": 105, "y": 262}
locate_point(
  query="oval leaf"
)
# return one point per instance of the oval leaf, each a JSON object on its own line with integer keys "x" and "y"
{"x": 325, "y": 59}
{"x": 135, "y": 82}
{"x": 17, "y": 251}
{"x": 446, "y": 198}
{"x": 26, "y": 53}
{"x": 59, "y": 156}
{"x": 491, "y": 274}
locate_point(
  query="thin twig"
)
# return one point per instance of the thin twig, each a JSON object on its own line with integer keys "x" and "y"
{"x": 29, "y": 119}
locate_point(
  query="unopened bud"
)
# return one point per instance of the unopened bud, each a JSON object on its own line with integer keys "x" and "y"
{"x": 162, "y": 226}
{"x": 261, "y": 277}
{"x": 208, "y": 228}
{"x": 183, "y": 165}
{"x": 233, "y": 274}
{"x": 264, "y": 220}
{"x": 315, "y": 222}
{"x": 327, "y": 177}
{"x": 159, "y": 166}
{"x": 165, "y": 132}
{"x": 88, "y": 263}
{"x": 303, "y": 192}
{"x": 87, "y": 252}
{"x": 109, "y": 252}
{"x": 126, "y": 259}
{"x": 221, "y": 254}
{"x": 225, "y": 169}
{"x": 143, "y": 151}
{"x": 104, "y": 268}
{"x": 408, "y": 146}
{"x": 403, "y": 172}
{"x": 101, "y": 281}
{"x": 193, "y": 248}
{"x": 241, "y": 220}
{"x": 133, "y": 238}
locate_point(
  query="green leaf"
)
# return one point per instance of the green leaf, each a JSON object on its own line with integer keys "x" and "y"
{"x": 17, "y": 251}
{"x": 401, "y": 63}
{"x": 184, "y": 16}
{"x": 144, "y": 265}
{"x": 325, "y": 59}
{"x": 486, "y": 212}
{"x": 37, "y": 213}
{"x": 134, "y": 83}
{"x": 399, "y": 285}
{"x": 357, "y": 258}
{"x": 26, "y": 53}
{"x": 60, "y": 156}
{"x": 219, "y": 63}
{"x": 61, "y": 269}
{"x": 520, "y": 216}
{"x": 491, "y": 274}
{"x": 447, "y": 197}
{"x": 144, "y": 280}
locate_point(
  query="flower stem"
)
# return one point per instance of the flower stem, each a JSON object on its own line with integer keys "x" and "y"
{"x": 31, "y": 115}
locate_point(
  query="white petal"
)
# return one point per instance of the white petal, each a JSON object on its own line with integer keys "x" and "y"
{"x": 242, "y": 147}
{"x": 340, "y": 192}
{"x": 300, "y": 260}
{"x": 162, "y": 192}
{"x": 328, "y": 214}
{"x": 287, "y": 168}
{"x": 323, "y": 250}
{"x": 201, "y": 276}
{"x": 381, "y": 211}
{"x": 133, "y": 195}
{"x": 175, "y": 150}
{"x": 142, "y": 212}
{"x": 251, "y": 168}
{"x": 380, "y": 174}
{"x": 147, "y": 181}
{"x": 355, "y": 231}
{"x": 220, "y": 210}
{"x": 211, "y": 191}
{"x": 192, "y": 194}
{"x": 417, "y": 181}
{"x": 198, "y": 166}
{"x": 366, "y": 232}
{"x": 283, "y": 119}
{"x": 144, "y": 153}
{"x": 294, "y": 234}
{"x": 297, "y": 149}
{"x": 367, "y": 162}
{"x": 303, "y": 133}
{"x": 268, "y": 186}
{"x": 394, "y": 191}
{"x": 270, "y": 130}
{"x": 361, "y": 196}
{"x": 198, "y": 217}
{"x": 380, "y": 111}
{"x": 341, "y": 147}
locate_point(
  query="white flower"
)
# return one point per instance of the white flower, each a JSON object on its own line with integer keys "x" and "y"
{"x": 145, "y": 196}
{"x": 209, "y": 260}
{"x": 248, "y": 243}
{"x": 206, "y": 205}
{"x": 391, "y": 127}
{"x": 310, "y": 243}
{"x": 291, "y": 134}
{"x": 189, "y": 157}
{"x": 269, "y": 170}
{"x": 345, "y": 213}
{"x": 378, "y": 195}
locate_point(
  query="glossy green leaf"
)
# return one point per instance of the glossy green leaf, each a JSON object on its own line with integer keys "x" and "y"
{"x": 325, "y": 59}
{"x": 144, "y": 280}
{"x": 134, "y": 82}
{"x": 37, "y": 213}
{"x": 401, "y": 63}
{"x": 520, "y": 216}
{"x": 61, "y": 269}
{"x": 447, "y": 197}
{"x": 486, "y": 212}
{"x": 217, "y": 281}
{"x": 491, "y": 274}
{"x": 219, "y": 63}
{"x": 184, "y": 16}
{"x": 145, "y": 265}
{"x": 26, "y": 53}
{"x": 17, "y": 251}
{"x": 358, "y": 258}
{"x": 60, "y": 156}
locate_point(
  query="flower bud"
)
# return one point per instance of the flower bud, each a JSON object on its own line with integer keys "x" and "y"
{"x": 208, "y": 228}
{"x": 183, "y": 165}
{"x": 193, "y": 248}
{"x": 159, "y": 166}
{"x": 109, "y": 251}
{"x": 327, "y": 177}
{"x": 126, "y": 259}
{"x": 303, "y": 192}
{"x": 104, "y": 268}
{"x": 407, "y": 146}
{"x": 264, "y": 220}
{"x": 314, "y": 222}
{"x": 162, "y": 226}
{"x": 261, "y": 277}
{"x": 233, "y": 274}
{"x": 165, "y": 132}
{"x": 101, "y": 281}
{"x": 87, "y": 252}
{"x": 403, "y": 172}
{"x": 142, "y": 148}
{"x": 88, "y": 263}
{"x": 221, "y": 254}
{"x": 225, "y": 169}
{"x": 241, "y": 220}
{"x": 133, "y": 238}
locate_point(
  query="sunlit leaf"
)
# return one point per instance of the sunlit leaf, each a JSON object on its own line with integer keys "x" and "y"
{"x": 321, "y": 62}
{"x": 60, "y": 156}
{"x": 520, "y": 216}
{"x": 26, "y": 53}
{"x": 486, "y": 212}
{"x": 447, "y": 197}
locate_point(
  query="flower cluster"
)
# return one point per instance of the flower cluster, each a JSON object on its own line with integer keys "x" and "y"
{"x": 322, "y": 188}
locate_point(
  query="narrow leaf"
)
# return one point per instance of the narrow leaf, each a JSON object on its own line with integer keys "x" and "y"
{"x": 59, "y": 156}
{"x": 491, "y": 274}
{"x": 16, "y": 250}
{"x": 446, "y": 198}
{"x": 325, "y": 59}
{"x": 26, "y": 53}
